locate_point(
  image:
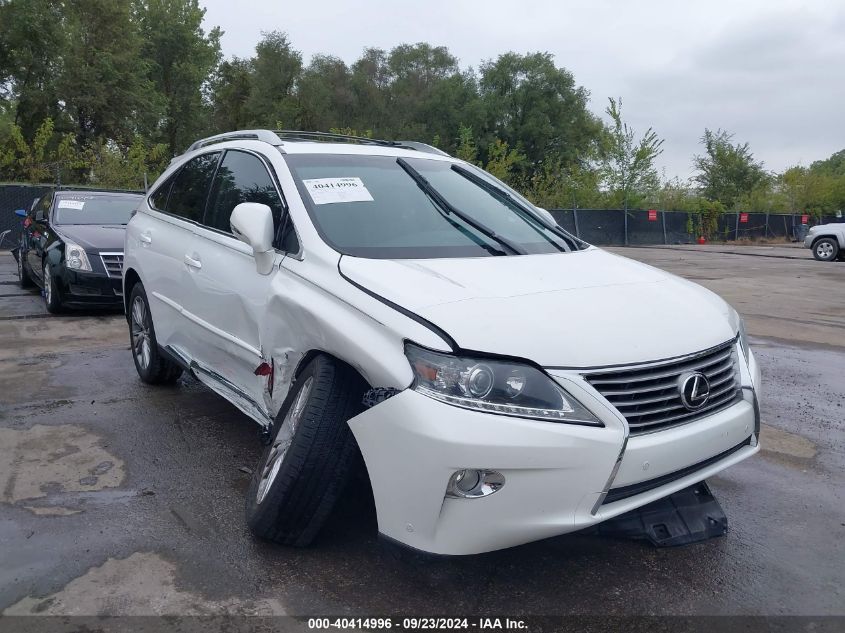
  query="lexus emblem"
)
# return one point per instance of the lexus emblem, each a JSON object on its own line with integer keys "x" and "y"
{"x": 694, "y": 389}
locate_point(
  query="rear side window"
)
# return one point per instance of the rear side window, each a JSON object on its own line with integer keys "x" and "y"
{"x": 159, "y": 198}
{"x": 242, "y": 177}
{"x": 190, "y": 187}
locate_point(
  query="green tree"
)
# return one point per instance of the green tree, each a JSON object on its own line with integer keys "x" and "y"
{"x": 181, "y": 58}
{"x": 230, "y": 89}
{"x": 32, "y": 41}
{"x": 369, "y": 82}
{"x": 627, "y": 165}
{"x": 275, "y": 69}
{"x": 325, "y": 94}
{"x": 467, "y": 149}
{"x": 49, "y": 157}
{"x": 104, "y": 83}
{"x": 536, "y": 107}
{"x": 726, "y": 170}
{"x": 503, "y": 162}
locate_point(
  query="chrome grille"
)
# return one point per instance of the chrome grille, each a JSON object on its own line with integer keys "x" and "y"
{"x": 648, "y": 395}
{"x": 113, "y": 263}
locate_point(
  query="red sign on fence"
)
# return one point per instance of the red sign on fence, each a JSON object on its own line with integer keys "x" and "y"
{"x": 743, "y": 218}
{"x": 805, "y": 219}
{"x": 652, "y": 215}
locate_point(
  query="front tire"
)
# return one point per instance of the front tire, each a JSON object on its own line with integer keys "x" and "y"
{"x": 304, "y": 470}
{"x": 826, "y": 249}
{"x": 24, "y": 279}
{"x": 52, "y": 298}
{"x": 152, "y": 367}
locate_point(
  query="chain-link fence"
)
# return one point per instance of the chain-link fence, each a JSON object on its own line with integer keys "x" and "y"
{"x": 604, "y": 227}
{"x": 609, "y": 227}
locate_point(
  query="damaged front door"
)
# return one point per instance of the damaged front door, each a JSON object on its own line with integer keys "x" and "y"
{"x": 231, "y": 294}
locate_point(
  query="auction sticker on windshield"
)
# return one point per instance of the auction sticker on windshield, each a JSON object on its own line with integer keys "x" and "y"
{"x": 330, "y": 190}
{"x": 71, "y": 204}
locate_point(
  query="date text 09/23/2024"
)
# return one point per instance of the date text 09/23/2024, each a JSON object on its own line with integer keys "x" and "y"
{"x": 417, "y": 623}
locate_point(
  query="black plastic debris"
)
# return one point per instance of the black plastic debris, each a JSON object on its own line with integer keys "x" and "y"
{"x": 688, "y": 516}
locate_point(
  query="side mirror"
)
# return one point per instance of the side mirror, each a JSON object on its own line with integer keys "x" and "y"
{"x": 20, "y": 213}
{"x": 252, "y": 223}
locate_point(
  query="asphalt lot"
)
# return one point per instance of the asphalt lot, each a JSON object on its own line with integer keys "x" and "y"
{"x": 119, "y": 498}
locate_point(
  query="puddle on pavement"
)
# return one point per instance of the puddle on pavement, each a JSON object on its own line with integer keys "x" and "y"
{"x": 786, "y": 446}
{"x": 46, "y": 461}
{"x": 142, "y": 584}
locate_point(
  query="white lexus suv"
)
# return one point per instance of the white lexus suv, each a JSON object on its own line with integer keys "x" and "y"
{"x": 503, "y": 381}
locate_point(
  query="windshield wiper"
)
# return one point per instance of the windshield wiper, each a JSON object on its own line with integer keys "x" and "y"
{"x": 504, "y": 196}
{"x": 447, "y": 206}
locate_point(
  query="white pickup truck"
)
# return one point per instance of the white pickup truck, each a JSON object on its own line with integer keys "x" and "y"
{"x": 827, "y": 241}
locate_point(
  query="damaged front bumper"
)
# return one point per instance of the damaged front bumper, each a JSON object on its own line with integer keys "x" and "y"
{"x": 559, "y": 478}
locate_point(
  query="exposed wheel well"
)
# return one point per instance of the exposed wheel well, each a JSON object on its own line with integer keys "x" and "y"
{"x": 309, "y": 356}
{"x": 129, "y": 280}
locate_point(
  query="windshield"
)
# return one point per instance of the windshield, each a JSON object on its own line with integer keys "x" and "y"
{"x": 384, "y": 207}
{"x": 95, "y": 209}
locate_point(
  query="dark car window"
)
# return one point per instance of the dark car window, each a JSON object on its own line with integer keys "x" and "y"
{"x": 160, "y": 195}
{"x": 190, "y": 187}
{"x": 95, "y": 209}
{"x": 43, "y": 208}
{"x": 242, "y": 177}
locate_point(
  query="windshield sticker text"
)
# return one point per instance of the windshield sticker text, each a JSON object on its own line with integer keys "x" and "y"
{"x": 71, "y": 204}
{"x": 331, "y": 190}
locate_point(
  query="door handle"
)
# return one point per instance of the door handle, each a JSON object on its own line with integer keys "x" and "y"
{"x": 145, "y": 238}
{"x": 193, "y": 263}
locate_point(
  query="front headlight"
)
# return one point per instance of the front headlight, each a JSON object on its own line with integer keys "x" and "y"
{"x": 494, "y": 386}
{"x": 75, "y": 257}
{"x": 743, "y": 340}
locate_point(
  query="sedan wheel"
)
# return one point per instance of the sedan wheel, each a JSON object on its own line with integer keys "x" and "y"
{"x": 51, "y": 294}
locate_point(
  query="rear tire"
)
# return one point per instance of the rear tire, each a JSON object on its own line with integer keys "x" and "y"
{"x": 305, "y": 469}
{"x": 24, "y": 279}
{"x": 152, "y": 367}
{"x": 826, "y": 249}
{"x": 52, "y": 298}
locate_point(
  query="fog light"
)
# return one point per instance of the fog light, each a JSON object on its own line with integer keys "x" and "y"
{"x": 471, "y": 483}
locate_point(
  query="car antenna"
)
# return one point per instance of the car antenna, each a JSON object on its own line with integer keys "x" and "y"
{"x": 146, "y": 188}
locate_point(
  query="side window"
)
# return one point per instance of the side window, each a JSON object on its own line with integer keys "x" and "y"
{"x": 289, "y": 241}
{"x": 190, "y": 187}
{"x": 159, "y": 197}
{"x": 42, "y": 209}
{"x": 242, "y": 177}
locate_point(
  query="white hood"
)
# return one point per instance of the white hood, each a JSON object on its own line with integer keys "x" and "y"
{"x": 583, "y": 309}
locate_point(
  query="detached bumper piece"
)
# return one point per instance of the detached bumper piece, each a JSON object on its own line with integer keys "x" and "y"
{"x": 688, "y": 516}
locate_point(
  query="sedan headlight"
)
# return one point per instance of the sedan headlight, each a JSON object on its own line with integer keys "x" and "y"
{"x": 494, "y": 386}
{"x": 75, "y": 257}
{"x": 743, "y": 340}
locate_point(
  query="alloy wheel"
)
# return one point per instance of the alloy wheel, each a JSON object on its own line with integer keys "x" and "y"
{"x": 283, "y": 440}
{"x": 141, "y": 345}
{"x": 825, "y": 250}
{"x": 48, "y": 285}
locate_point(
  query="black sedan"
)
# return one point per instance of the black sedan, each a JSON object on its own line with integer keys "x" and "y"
{"x": 72, "y": 247}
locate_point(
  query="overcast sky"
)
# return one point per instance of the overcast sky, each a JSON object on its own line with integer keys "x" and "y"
{"x": 771, "y": 71}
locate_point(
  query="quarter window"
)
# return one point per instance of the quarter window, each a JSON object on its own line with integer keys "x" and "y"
{"x": 190, "y": 187}
{"x": 242, "y": 177}
{"x": 159, "y": 198}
